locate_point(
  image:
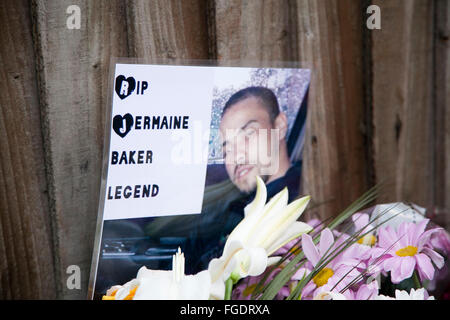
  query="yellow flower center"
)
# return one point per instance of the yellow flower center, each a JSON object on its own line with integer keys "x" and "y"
{"x": 295, "y": 250}
{"x": 368, "y": 240}
{"x": 408, "y": 251}
{"x": 322, "y": 277}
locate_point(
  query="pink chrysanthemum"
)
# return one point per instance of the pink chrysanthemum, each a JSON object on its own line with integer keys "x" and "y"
{"x": 362, "y": 225}
{"x": 366, "y": 291}
{"x": 337, "y": 274}
{"x": 245, "y": 288}
{"x": 441, "y": 241}
{"x": 406, "y": 249}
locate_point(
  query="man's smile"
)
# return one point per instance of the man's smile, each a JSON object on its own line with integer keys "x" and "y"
{"x": 241, "y": 171}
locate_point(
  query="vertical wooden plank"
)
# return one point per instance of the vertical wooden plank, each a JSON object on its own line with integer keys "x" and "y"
{"x": 167, "y": 29}
{"x": 255, "y": 30}
{"x": 26, "y": 263}
{"x": 442, "y": 116}
{"x": 73, "y": 68}
{"x": 107, "y": 38}
{"x": 330, "y": 39}
{"x": 403, "y": 101}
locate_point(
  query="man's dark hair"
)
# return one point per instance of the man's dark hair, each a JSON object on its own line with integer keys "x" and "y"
{"x": 264, "y": 95}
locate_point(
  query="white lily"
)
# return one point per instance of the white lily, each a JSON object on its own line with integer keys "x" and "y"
{"x": 419, "y": 294}
{"x": 125, "y": 292}
{"x": 329, "y": 295}
{"x": 164, "y": 285}
{"x": 264, "y": 229}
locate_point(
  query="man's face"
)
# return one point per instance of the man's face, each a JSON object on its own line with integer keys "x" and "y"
{"x": 246, "y": 135}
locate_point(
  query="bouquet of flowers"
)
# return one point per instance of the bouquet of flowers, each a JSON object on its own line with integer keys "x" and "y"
{"x": 388, "y": 252}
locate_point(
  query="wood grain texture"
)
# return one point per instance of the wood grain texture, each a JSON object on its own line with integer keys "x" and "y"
{"x": 255, "y": 31}
{"x": 403, "y": 109}
{"x": 26, "y": 257}
{"x": 329, "y": 37}
{"x": 73, "y": 68}
{"x": 167, "y": 30}
{"x": 442, "y": 111}
{"x": 378, "y": 107}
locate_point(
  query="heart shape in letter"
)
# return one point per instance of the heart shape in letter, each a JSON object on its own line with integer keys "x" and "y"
{"x": 122, "y": 125}
{"x": 125, "y": 86}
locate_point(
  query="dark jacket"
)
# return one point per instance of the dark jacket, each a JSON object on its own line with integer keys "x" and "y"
{"x": 209, "y": 235}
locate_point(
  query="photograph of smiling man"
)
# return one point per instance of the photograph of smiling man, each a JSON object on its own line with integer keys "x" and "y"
{"x": 250, "y": 120}
{"x": 260, "y": 130}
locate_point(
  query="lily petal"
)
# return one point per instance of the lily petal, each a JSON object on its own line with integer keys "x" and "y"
{"x": 277, "y": 203}
{"x": 221, "y": 268}
{"x": 123, "y": 292}
{"x": 253, "y": 262}
{"x": 143, "y": 272}
{"x": 275, "y": 227}
{"x": 156, "y": 287}
{"x": 254, "y": 211}
{"x": 112, "y": 290}
{"x": 260, "y": 198}
{"x": 217, "y": 290}
{"x": 329, "y": 295}
{"x": 294, "y": 231}
{"x": 195, "y": 287}
{"x": 273, "y": 260}
{"x": 274, "y": 208}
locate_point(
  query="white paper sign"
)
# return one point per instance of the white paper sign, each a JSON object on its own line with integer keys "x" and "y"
{"x": 158, "y": 151}
{"x": 189, "y": 140}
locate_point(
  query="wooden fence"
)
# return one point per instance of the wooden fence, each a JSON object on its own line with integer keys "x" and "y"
{"x": 378, "y": 107}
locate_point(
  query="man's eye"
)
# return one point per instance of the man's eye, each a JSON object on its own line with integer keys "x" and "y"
{"x": 250, "y": 132}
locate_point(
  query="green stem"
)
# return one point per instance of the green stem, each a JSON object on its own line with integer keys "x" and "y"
{"x": 228, "y": 288}
{"x": 416, "y": 280}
